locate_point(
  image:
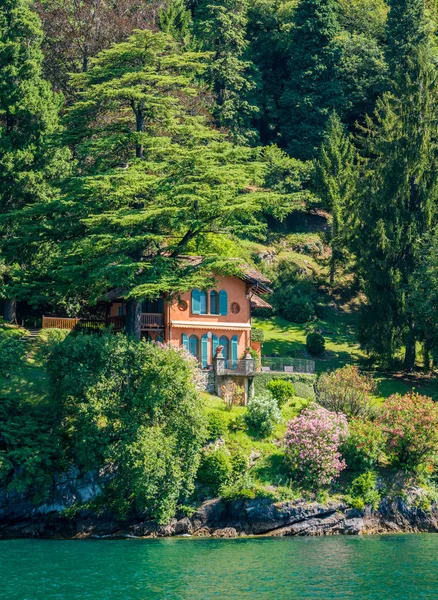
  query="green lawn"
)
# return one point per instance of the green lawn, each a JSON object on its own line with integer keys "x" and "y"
{"x": 283, "y": 338}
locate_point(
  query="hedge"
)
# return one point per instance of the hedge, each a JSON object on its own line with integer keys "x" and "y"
{"x": 303, "y": 383}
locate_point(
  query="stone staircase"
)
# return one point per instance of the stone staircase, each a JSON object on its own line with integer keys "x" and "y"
{"x": 31, "y": 335}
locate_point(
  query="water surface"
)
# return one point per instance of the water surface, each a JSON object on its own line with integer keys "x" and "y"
{"x": 399, "y": 567}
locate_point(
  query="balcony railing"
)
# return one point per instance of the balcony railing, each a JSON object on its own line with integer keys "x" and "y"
{"x": 239, "y": 367}
{"x": 288, "y": 365}
{"x": 152, "y": 320}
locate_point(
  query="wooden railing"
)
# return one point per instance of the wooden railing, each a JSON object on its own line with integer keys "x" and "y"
{"x": 151, "y": 320}
{"x": 59, "y": 323}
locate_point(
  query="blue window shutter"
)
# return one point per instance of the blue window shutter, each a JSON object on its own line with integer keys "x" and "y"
{"x": 185, "y": 342}
{"x": 204, "y": 351}
{"x": 194, "y": 346}
{"x": 223, "y": 302}
{"x": 213, "y": 303}
{"x": 196, "y": 302}
{"x": 215, "y": 344}
{"x": 203, "y": 303}
{"x": 234, "y": 351}
{"x": 223, "y": 341}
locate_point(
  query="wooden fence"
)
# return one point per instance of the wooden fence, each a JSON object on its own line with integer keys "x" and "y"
{"x": 59, "y": 323}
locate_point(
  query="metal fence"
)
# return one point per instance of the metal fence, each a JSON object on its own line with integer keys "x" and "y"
{"x": 288, "y": 365}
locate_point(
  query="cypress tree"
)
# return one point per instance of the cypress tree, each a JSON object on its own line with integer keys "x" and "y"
{"x": 313, "y": 88}
{"x": 221, "y": 27}
{"x": 29, "y": 161}
{"x": 399, "y": 193}
{"x": 335, "y": 183}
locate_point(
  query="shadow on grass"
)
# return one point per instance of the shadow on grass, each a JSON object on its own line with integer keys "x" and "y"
{"x": 273, "y": 470}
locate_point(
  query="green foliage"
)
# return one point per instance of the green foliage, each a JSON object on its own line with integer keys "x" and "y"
{"x": 282, "y": 391}
{"x": 346, "y": 391}
{"x": 294, "y": 294}
{"x": 221, "y": 28}
{"x": 262, "y": 414}
{"x": 397, "y": 204}
{"x": 302, "y": 383}
{"x": 257, "y": 334}
{"x": 335, "y": 180}
{"x": 315, "y": 344}
{"x": 365, "y": 445}
{"x": 410, "y": 426}
{"x": 215, "y": 469}
{"x": 30, "y": 447}
{"x": 133, "y": 405}
{"x": 363, "y": 491}
{"x": 12, "y": 351}
{"x": 313, "y": 87}
{"x": 216, "y": 425}
{"x": 30, "y": 162}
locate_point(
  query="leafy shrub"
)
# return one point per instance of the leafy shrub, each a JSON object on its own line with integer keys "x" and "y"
{"x": 262, "y": 414}
{"x": 302, "y": 382}
{"x": 410, "y": 425}
{"x": 312, "y": 444}
{"x": 281, "y": 390}
{"x": 215, "y": 469}
{"x": 239, "y": 464}
{"x": 315, "y": 344}
{"x": 346, "y": 391}
{"x": 364, "y": 446}
{"x": 257, "y": 334}
{"x": 245, "y": 489}
{"x": 293, "y": 305}
{"x": 216, "y": 426}
{"x": 237, "y": 424}
{"x": 363, "y": 491}
{"x": 11, "y": 354}
{"x": 135, "y": 406}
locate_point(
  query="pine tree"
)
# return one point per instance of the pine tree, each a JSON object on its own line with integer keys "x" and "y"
{"x": 221, "y": 26}
{"x": 335, "y": 183}
{"x": 400, "y": 187}
{"x": 313, "y": 88}
{"x": 176, "y": 20}
{"x": 152, "y": 179}
{"x": 29, "y": 161}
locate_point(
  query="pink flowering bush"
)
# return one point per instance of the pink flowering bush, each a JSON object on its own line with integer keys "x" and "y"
{"x": 312, "y": 444}
{"x": 410, "y": 426}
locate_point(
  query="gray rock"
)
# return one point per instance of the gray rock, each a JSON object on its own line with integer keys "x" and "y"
{"x": 184, "y": 527}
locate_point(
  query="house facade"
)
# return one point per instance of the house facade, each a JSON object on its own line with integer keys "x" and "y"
{"x": 202, "y": 320}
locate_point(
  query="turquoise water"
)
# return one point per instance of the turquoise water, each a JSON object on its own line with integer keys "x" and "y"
{"x": 370, "y": 568}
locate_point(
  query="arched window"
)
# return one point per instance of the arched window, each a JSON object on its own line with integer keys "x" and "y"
{"x": 223, "y": 302}
{"x": 199, "y": 302}
{"x": 194, "y": 346}
{"x": 214, "y": 303}
{"x": 204, "y": 351}
{"x": 223, "y": 341}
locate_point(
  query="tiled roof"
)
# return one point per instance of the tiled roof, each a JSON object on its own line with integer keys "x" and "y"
{"x": 257, "y": 302}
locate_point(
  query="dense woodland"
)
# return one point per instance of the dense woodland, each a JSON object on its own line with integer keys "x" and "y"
{"x": 136, "y": 131}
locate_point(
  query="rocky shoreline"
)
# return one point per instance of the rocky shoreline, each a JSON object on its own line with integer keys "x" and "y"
{"x": 215, "y": 518}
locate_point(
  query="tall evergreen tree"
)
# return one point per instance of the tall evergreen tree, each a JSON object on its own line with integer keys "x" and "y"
{"x": 313, "y": 87}
{"x": 335, "y": 183}
{"x": 29, "y": 161}
{"x": 153, "y": 178}
{"x": 400, "y": 187}
{"x": 221, "y": 26}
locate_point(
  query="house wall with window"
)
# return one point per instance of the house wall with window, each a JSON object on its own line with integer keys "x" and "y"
{"x": 203, "y": 319}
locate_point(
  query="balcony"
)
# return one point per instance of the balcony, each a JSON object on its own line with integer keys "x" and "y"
{"x": 147, "y": 321}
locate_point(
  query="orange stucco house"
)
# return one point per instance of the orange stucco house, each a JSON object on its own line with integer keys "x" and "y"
{"x": 202, "y": 320}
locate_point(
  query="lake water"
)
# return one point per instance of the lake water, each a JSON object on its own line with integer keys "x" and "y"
{"x": 394, "y": 567}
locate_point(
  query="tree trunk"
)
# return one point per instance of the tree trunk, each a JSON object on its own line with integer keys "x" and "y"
{"x": 409, "y": 362}
{"x": 133, "y": 319}
{"x": 10, "y": 310}
{"x": 139, "y": 118}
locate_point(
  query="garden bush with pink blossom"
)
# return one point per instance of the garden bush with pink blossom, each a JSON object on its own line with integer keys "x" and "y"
{"x": 312, "y": 444}
{"x": 410, "y": 426}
